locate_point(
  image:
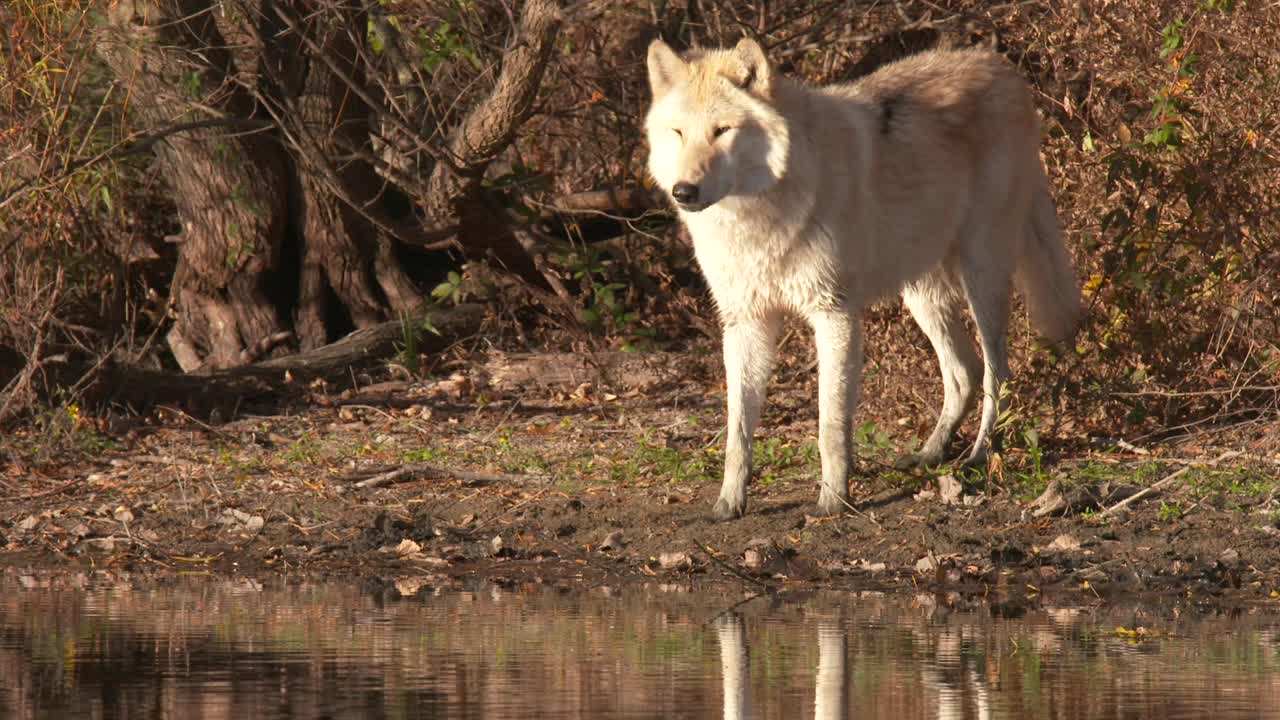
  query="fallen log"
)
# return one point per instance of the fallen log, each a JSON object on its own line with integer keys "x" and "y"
{"x": 138, "y": 388}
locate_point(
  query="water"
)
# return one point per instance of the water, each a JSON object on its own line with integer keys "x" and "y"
{"x": 104, "y": 646}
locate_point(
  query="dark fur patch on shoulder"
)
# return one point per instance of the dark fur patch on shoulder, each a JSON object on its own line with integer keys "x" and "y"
{"x": 888, "y": 109}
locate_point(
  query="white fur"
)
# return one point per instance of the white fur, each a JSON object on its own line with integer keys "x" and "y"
{"x": 922, "y": 178}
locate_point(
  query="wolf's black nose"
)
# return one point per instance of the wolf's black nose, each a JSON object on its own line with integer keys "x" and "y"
{"x": 685, "y": 192}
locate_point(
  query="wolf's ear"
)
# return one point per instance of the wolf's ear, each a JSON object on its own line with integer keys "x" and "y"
{"x": 756, "y": 76}
{"x": 666, "y": 68}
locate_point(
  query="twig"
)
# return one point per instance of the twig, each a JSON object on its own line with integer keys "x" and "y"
{"x": 207, "y": 427}
{"x": 21, "y": 384}
{"x": 383, "y": 475}
{"x": 1160, "y": 484}
{"x": 511, "y": 509}
{"x": 60, "y": 489}
{"x": 133, "y": 146}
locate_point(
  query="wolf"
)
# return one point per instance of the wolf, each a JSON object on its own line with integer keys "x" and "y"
{"x": 922, "y": 178}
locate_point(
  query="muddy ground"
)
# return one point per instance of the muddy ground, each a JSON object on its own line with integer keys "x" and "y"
{"x": 546, "y": 467}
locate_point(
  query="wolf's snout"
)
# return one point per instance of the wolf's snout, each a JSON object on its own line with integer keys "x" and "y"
{"x": 685, "y": 193}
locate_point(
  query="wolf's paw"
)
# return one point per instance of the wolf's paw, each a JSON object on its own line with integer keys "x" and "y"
{"x": 917, "y": 460}
{"x": 977, "y": 459}
{"x": 830, "y": 503}
{"x": 726, "y": 510}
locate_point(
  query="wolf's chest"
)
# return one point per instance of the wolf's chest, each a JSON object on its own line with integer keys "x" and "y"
{"x": 752, "y": 273}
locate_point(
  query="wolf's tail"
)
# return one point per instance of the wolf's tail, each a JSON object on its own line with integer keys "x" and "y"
{"x": 1045, "y": 273}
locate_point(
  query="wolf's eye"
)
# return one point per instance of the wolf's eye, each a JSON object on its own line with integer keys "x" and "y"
{"x": 720, "y": 131}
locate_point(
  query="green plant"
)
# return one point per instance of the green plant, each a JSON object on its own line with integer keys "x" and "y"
{"x": 775, "y": 459}
{"x": 678, "y": 466}
{"x": 303, "y": 450}
{"x": 450, "y": 290}
{"x": 409, "y": 354}
{"x": 423, "y": 455}
{"x": 1170, "y": 511}
{"x": 605, "y": 297}
{"x": 871, "y": 439}
{"x": 442, "y": 44}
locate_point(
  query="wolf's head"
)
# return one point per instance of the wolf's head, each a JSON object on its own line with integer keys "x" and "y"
{"x": 714, "y": 130}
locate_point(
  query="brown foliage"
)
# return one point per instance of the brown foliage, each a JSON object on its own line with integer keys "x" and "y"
{"x": 1160, "y": 141}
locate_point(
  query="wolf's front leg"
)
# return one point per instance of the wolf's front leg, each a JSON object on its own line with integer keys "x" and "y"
{"x": 748, "y": 363}
{"x": 838, "y": 337}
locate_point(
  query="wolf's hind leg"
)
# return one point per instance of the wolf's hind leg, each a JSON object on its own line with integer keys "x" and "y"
{"x": 988, "y": 293}
{"x": 935, "y": 307}
{"x": 748, "y": 361}
{"x": 838, "y": 337}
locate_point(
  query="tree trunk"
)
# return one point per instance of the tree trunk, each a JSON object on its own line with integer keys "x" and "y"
{"x": 228, "y": 183}
{"x": 286, "y": 232}
{"x": 328, "y": 125}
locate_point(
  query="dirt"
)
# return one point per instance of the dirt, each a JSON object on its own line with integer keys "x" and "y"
{"x": 603, "y": 480}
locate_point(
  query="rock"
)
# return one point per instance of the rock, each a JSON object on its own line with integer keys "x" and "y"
{"x": 1051, "y": 501}
{"x": 1229, "y": 557}
{"x": 105, "y": 544}
{"x": 1064, "y": 543}
{"x": 1091, "y": 575}
{"x": 754, "y": 558}
{"x": 765, "y": 555}
{"x": 926, "y": 564}
{"x": 675, "y": 561}
{"x": 1060, "y": 497}
{"x": 239, "y": 520}
{"x": 613, "y": 542}
{"x": 949, "y": 489}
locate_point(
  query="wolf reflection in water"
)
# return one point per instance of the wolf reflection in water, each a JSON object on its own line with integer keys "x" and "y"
{"x": 945, "y": 677}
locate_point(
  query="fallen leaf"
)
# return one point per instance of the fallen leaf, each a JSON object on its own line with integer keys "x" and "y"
{"x": 406, "y": 548}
